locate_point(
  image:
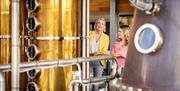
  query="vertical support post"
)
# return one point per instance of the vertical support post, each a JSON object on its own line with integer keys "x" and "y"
{"x": 85, "y": 42}
{"x": 2, "y": 82}
{"x": 113, "y": 22}
{"x": 15, "y": 55}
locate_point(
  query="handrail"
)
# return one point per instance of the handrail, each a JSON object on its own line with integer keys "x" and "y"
{"x": 24, "y": 66}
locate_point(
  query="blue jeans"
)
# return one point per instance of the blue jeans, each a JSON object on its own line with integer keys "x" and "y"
{"x": 96, "y": 70}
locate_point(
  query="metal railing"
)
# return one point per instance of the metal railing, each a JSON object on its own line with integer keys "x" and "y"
{"x": 26, "y": 66}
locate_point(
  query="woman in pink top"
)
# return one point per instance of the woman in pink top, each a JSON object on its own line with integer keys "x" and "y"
{"x": 120, "y": 47}
{"x": 119, "y": 50}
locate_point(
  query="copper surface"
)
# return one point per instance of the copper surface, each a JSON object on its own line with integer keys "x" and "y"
{"x": 5, "y": 54}
{"x": 158, "y": 71}
{"x": 56, "y": 18}
{"x": 5, "y": 44}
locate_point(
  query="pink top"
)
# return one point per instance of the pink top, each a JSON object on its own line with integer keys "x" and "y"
{"x": 121, "y": 50}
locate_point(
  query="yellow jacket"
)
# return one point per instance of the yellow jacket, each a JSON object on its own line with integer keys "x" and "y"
{"x": 103, "y": 42}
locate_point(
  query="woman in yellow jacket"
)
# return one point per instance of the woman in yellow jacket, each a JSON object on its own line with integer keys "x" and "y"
{"x": 99, "y": 43}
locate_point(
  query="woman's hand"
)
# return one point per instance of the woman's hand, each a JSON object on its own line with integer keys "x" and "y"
{"x": 96, "y": 53}
{"x": 116, "y": 55}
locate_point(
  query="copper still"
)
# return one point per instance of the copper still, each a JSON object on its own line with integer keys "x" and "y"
{"x": 5, "y": 41}
{"x": 54, "y": 18}
{"x": 159, "y": 70}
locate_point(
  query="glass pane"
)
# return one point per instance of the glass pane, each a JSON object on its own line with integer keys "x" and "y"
{"x": 146, "y": 38}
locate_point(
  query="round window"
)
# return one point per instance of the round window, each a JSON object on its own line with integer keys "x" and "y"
{"x": 32, "y": 23}
{"x": 32, "y": 73}
{"x": 32, "y": 86}
{"x": 32, "y": 51}
{"x": 148, "y": 38}
{"x": 31, "y": 5}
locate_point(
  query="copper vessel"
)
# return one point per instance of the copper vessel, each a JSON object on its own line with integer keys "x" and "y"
{"x": 5, "y": 47}
{"x": 158, "y": 71}
{"x": 57, "y": 18}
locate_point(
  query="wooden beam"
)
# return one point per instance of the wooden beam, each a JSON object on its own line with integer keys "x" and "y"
{"x": 123, "y": 6}
{"x": 103, "y": 6}
{"x": 99, "y": 6}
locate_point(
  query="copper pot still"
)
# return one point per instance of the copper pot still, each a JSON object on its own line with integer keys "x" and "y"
{"x": 5, "y": 40}
{"x": 158, "y": 70}
{"x": 54, "y": 18}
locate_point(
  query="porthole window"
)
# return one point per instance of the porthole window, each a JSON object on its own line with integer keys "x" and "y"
{"x": 32, "y": 73}
{"x": 32, "y": 23}
{"x": 32, "y": 86}
{"x": 31, "y": 5}
{"x": 32, "y": 51}
{"x": 148, "y": 38}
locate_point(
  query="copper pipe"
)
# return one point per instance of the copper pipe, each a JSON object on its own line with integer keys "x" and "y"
{"x": 55, "y": 38}
{"x": 46, "y": 37}
{"x": 5, "y": 36}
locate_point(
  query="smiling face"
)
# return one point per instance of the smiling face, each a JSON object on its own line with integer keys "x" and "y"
{"x": 100, "y": 25}
{"x": 121, "y": 34}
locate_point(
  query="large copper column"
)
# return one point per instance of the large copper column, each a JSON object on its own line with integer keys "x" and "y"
{"x": 56, "y": 18}
{"x": 5, "y": 47}
{"x": 158, "y": 71}
{"x": 5, "y": 42}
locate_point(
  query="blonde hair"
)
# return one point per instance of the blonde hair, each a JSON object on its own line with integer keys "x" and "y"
{"x": 100, "y": 19}
{"x": 125, "y": 31}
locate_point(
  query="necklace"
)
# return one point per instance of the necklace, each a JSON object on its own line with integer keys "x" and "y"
{"x": 98, "y": 36}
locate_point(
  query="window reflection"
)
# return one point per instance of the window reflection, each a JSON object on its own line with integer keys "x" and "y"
{"x": 146, "y": 38}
